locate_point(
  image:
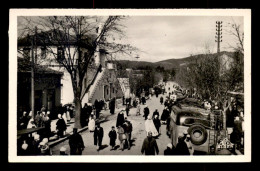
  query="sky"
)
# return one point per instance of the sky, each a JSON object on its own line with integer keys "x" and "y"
{"x": 165, "y": 37}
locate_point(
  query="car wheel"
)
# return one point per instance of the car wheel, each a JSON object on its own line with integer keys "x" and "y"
{"x": 198, "y": 134}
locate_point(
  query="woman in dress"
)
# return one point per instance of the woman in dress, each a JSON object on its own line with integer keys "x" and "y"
{"x": 121, "y": 137}
{"x": 91, "y": 123}
{"x": 68, "y": 114}
{"x": 149, "y": 127}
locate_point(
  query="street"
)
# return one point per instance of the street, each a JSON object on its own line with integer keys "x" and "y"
{"x": 138, "y": 133}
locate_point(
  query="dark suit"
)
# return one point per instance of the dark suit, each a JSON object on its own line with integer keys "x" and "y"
{"x": 98, "y": 136}
{"x": 149, "y": 147}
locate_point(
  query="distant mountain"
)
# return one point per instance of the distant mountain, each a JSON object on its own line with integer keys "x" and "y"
{"x": 167, "y": 64}
{"x": 175, "y": 63}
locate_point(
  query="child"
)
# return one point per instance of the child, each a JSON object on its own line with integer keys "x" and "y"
{"x": 112, "y": 135}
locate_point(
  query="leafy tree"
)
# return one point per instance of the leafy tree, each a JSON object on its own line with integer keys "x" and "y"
{"x": 79, "y": 38}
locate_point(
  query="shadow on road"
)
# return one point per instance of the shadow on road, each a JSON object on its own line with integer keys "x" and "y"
{"x": 103, "y": 147}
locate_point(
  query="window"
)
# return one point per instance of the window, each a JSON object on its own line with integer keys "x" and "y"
{"x": 60, "y": 54}
{"x": 113, "y": 90}
{"x": 26, "y": 52}
{"x": 107, "y": 91}
{"x": 43, "y": 52}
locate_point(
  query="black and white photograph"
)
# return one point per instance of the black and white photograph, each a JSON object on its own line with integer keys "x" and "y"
{"x": 159, "y": 85}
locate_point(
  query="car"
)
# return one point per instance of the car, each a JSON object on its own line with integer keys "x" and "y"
{"x": 195, "y": 123}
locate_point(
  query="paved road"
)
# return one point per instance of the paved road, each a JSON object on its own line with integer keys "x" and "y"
{"x": 138, "y": 133}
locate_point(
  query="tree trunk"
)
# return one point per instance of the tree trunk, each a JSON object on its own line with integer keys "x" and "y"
{"x": 77, "y": 123}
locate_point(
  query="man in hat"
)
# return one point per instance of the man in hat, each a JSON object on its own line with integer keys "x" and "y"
{"x": 169, "y": 150}
{"x": 149, "y": 146}
{"x": 76, "y": 143}
{"x": 146, "y": 112}
{"x": 112, "y": 135}
{"x": 98, "y": 136}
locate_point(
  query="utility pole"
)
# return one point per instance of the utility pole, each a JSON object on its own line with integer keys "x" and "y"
{"x": 32, "y": 72}
{"x": 218, "y": 34}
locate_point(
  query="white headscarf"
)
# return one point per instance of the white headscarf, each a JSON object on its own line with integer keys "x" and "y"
{"x": 169, "y": 145}
{"x": 36, "y": 137}
{"x": 24, "y": 146}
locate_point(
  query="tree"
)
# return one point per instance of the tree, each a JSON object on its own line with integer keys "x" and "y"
{"x": 78, "y": 39}
{"x": 234, "y": 29}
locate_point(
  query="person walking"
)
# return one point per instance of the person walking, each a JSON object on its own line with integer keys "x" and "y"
{"x": 165, "y": 115}
{"x": 98, "y": 136}
{"x": 97, "y": 107}
{"x": 121, "y": 137}
{"x": 155, "y": 113}
{"x": 68, "y": 114}
{"x": 138, "y": 109}
{"x": 91, "y": 123}
{"x": 112, "y": 105}
{"x": 60, "y": 126}
{"x": 113, "y": 136}
{"x": 120, "y": 119}
{"x": 149, "y": 146}
{"x": 143, "y": 100}
{"x": 157, "y": 123}
{"x": 47, "y": 125}
{"x": 146, "y": 112}
{"x": 76, "y": 143}
{"x": 128, "y": 128}
{"x": 127, "y": 109}
{"x": 161, "y": 100}
{"x": 150, "y": 127}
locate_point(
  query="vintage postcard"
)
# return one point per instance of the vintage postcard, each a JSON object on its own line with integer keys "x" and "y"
{"x": 146, "y": 85}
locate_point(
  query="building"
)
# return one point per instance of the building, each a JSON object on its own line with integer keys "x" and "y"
{"x": 106, "y": 84}
{"x": 47, "y": 85}
{"x": 99, "y": 82}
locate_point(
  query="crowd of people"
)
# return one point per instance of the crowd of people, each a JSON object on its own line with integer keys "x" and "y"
{"x": 37, "y": 144}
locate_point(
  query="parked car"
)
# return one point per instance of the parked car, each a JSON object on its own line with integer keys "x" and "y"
{"x": 195, "y": 123}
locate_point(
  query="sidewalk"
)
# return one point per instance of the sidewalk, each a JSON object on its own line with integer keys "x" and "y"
{"x": 103, "y": 117}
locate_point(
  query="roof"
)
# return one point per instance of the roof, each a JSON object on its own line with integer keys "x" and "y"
{"x": 55, "y": 37}
{"x": 24, "y": 66}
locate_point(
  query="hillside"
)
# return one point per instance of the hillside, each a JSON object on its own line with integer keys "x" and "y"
{"x": 167, "y": 64}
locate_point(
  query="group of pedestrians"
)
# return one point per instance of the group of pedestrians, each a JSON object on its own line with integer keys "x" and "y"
{"x": 35, "y": 145}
